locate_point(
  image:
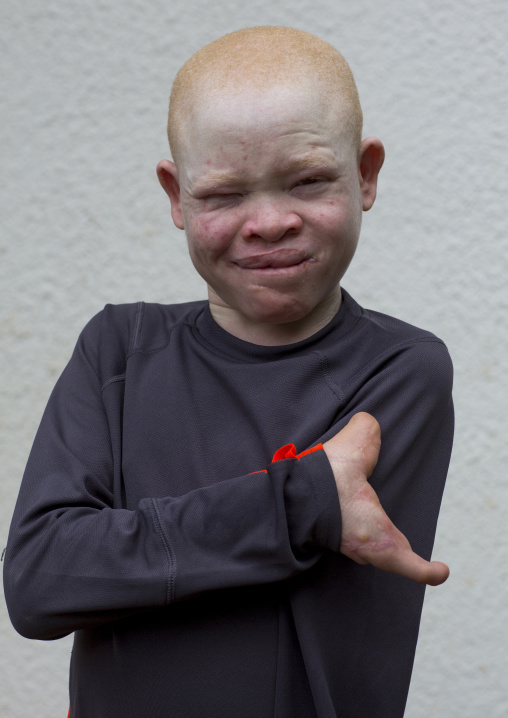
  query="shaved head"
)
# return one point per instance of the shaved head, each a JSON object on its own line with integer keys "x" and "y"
{"x": 260, "y": 58}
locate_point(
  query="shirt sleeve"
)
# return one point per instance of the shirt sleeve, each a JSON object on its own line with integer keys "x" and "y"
{"x": 74, "y": 561}
{"x": 411, "y": 397}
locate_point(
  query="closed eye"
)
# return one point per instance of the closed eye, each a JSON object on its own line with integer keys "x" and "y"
{"x": 222, "y": 197}
{"x": 307, "y": 180}
{"x": 308, "y": 186}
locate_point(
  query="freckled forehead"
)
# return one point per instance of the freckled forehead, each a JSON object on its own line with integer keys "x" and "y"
{"x": 260, "y": 59}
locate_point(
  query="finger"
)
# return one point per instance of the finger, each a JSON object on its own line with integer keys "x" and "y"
{"x": 440, "y": 573}
{"x": 409, "y": 564}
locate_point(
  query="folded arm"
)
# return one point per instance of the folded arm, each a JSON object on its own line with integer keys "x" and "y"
{"x": 75, "y": 558}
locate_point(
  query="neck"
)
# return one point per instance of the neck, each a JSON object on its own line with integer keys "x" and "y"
{"x": 276, "y": 334}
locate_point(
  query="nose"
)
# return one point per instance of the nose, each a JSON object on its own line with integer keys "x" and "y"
{"x": 270, "y": 219}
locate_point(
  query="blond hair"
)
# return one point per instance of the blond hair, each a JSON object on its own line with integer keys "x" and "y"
{"x": 262, "y": 57}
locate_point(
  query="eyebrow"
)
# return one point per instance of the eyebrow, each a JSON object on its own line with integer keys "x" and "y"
{"x": 216, "y": 179}
{"x": 308, "y": 162}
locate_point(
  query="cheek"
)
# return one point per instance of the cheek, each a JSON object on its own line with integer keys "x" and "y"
{"x": 341, "y": 217}
{"x": 337, "y": 228}
{"x": 210, "y": 235}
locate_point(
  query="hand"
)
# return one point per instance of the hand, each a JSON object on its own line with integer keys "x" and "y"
{"x": 368, "y": 535}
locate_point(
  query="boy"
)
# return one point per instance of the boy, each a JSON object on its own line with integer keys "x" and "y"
{"x": 201, "y": 579}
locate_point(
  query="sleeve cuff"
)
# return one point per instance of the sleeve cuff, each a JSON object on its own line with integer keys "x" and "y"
{"x": 320, "y": 475}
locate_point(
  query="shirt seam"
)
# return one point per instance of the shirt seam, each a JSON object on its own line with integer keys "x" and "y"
{"x": 140, "y": 310}
{"x": 389, "y": 352}
{"x": 327, "y": 377}
{"x": 160, "y": 348}
{"x": 112, "y": 380}
{"x": 170, "y": 554}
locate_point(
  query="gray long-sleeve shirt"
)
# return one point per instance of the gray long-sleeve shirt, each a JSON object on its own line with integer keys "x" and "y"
{"x": 198, "y": 588}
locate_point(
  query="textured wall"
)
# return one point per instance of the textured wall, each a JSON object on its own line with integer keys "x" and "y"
{"x": 84, "y": 91}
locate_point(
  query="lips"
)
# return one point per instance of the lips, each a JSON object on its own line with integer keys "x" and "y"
{"x": 277, "y": 259}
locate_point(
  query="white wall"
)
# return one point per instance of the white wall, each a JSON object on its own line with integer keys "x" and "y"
{"x": 84, "y": 90}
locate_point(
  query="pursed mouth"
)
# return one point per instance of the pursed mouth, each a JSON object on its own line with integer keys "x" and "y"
{"x": 280, "y": 259}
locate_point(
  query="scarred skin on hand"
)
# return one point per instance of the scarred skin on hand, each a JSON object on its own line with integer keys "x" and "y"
{"x": 368, "y": 535}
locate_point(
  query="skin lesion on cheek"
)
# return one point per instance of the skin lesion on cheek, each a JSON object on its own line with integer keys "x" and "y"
{"x": 204, "y": 227}
{"x": 204, "y": 235}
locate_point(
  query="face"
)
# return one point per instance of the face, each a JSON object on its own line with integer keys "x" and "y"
{"x": 270, "y": 191}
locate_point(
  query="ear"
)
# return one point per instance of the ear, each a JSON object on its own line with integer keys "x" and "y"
{"x": 168, "y": 177}
{"x": 371, "y": 158}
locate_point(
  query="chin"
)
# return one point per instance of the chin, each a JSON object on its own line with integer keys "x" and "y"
{"x": 284, "y": 313}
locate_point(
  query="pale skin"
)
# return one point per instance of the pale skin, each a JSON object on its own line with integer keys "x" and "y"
{"x": 270, "y": 191}
{"x": 368, "y": 535}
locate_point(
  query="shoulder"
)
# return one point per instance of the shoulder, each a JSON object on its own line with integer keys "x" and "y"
{"x": 391, "y": 334}
{"x": 392, "y": 330}
{"x": 380, "y": 342}
{"x": 120, "y": 330}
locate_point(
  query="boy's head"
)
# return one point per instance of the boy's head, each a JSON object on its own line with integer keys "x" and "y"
{"x": 270, "y": 177}
{"x": 262, "y": 58}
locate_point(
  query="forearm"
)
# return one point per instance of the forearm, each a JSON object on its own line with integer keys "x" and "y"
{"x": 75, "y": 566}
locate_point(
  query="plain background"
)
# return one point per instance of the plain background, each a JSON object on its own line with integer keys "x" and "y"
{"x": 84, "y": 90}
